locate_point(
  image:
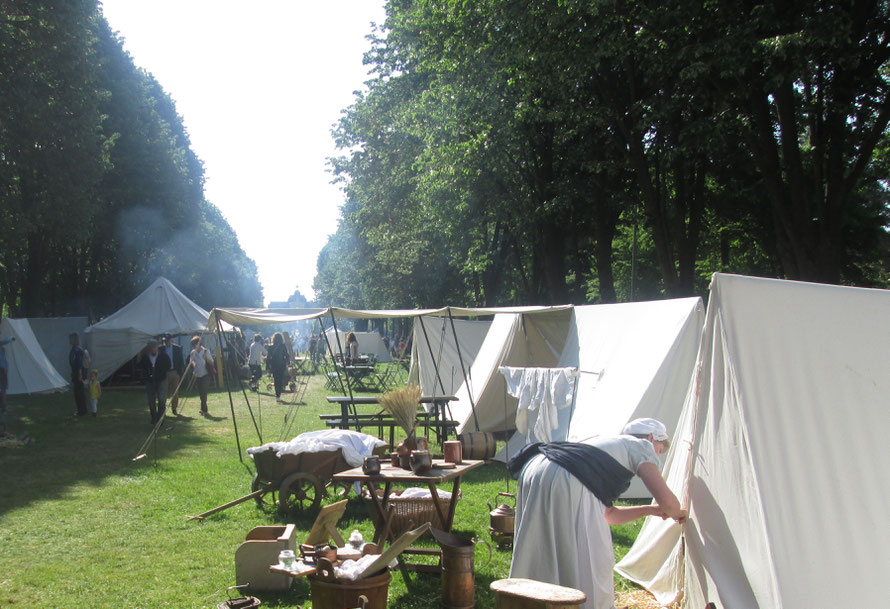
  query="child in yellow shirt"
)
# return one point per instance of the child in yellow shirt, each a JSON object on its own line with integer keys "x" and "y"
{"x": 95, "y": 391}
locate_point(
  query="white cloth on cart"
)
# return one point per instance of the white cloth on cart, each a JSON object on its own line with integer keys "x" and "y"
{"x": 356, "y": 445}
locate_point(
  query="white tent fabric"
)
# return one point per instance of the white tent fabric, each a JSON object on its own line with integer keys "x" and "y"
{"x": 434, "y": 347}
{"x": 775, "y": 453}
{"x": 255, "y": 317}
{"x": 30, "y": 371}
{"x": 369, "y": 343}
{"x": 160, "y": 309}
{"x": 514, "y": 339}
{"x": 52, "y": 334}
{"x": 635, "y": 359}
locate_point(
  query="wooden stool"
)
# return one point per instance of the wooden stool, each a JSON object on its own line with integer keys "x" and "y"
{"x": 521, "y": 593}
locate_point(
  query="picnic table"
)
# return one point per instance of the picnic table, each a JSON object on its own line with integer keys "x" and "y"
{"x": 440, "y": 473}
{"x": 436, "y": 417}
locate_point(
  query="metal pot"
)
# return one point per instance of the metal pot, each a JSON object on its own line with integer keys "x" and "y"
{"x": 503, "y": 517}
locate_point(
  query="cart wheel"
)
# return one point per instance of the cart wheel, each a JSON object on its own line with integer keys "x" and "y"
{"x": 267, "y": 498}
{"x": 341, "y": 489}
{"x": 299, "y": 492}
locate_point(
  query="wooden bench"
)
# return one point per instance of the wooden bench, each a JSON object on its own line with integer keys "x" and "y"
{"x": 381, "y": 421}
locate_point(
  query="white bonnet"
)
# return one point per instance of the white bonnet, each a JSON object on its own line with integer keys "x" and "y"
{"x": 646, "y": 426}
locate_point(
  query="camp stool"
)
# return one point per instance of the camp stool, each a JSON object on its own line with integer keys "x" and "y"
{"x": 521, "y": 593}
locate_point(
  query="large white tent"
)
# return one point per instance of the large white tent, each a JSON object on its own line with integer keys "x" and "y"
{"x": 778, "y": 454}
{"x": 30, "y": 371}
{"x": 442, "y": 350}
{"x": 160, "y": 309}
{"x": 635, "y": 359}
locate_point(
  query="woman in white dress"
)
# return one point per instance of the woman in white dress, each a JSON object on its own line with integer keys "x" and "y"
{"x": 564, "y": 506}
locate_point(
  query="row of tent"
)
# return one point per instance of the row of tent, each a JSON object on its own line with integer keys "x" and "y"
{"x": 778, "y": 402}
{"x": 39, "y": 357}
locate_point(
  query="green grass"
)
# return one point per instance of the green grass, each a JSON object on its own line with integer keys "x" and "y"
{"x": 83, "y": 525}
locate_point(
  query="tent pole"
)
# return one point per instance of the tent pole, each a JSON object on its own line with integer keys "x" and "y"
{"x": 432, "y": 357}
{"x": 243, "y": 391}
{"x": 463, "y": 370}
{"x": 334, "y": 359}
{"x": 231, "y": 402}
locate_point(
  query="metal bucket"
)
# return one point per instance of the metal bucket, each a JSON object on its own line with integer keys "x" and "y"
{"x": 458, "y": 581}
{"x": 342, "y": 594}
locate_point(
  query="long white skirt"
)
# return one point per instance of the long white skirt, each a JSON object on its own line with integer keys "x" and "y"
{"x": 561, "y": 535}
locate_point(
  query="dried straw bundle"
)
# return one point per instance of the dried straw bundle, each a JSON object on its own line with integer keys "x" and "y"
{"x": 402, "y": 405}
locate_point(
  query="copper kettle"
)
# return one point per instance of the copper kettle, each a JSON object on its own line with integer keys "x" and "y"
{"x": 503, "y": 517}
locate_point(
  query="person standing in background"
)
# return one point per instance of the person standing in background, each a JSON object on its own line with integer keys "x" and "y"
{"x": 202, "y": 367}
{"x": 174, "y": 376}
{"x": 75, "y": 360}
{"x": 155, "y": 366}
{"x": 4, "y": 378}
{"x": 278, "y": 360}
{"x": 255, "y": 361}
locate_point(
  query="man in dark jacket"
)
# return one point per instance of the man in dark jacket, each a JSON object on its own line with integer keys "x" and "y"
{"x": 174, "y": 352}
{"x": 75, "y": 360}
{"x": 155, "y": 366}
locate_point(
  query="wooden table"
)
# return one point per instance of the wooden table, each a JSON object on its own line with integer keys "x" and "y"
{"x": 390, "y": 475}
{"x": 347, "y": 403}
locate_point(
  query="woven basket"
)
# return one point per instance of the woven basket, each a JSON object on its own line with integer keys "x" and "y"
{"x": 408, "y": 514}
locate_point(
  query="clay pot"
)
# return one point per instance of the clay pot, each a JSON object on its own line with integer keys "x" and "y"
{"x": 371, "y": 465}
{"x": 421, "y": 461}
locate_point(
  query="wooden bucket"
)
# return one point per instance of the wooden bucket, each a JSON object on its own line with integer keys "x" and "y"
{"x": 477, "y": 445}
{"x": 458, "y": 589}
{"x": 338, "y": 595}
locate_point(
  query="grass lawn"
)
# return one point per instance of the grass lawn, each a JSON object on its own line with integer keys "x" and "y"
{"x": 83, "y": 525}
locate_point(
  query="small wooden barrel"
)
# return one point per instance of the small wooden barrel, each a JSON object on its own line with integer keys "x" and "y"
{"x": 477, "y": 445}
{"x": 337, "y": 595}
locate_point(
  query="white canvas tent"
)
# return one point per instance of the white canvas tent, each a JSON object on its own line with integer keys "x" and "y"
{"x": 30, "y": 371}
{"x": 778, "y": 454}
{"x": 369, "y": 343}
{"x": 160, "y": 309}
{"x": 52, "y": 334}
{"x": 434, "y": 348}
{"x": 636, "y": 359}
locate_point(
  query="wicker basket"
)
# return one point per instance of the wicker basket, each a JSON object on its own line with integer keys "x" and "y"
{"x": 408, "y": 514}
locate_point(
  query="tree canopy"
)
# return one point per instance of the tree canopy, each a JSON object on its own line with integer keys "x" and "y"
{"x": 536, "y": 152}
{"x": 100, "y": 191}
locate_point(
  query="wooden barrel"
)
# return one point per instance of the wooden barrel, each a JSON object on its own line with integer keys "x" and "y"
{"x": 477, "y": 445}
{"x": 337, "y": 595}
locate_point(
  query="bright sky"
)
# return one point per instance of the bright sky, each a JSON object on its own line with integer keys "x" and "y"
{"x": 259, "y": 86}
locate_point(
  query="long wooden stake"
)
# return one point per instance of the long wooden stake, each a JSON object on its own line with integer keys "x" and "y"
{"x": 226, "y": 506}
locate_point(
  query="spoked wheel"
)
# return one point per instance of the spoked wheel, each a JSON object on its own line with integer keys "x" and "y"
{"x": 340, "y": 489}
{"x": 267, "y": 498}
{"x": 299, "y": 492}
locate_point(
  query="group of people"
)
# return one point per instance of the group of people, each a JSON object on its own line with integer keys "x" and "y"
{"x": 277, "y": 358}
{"x": 163, "y": 369}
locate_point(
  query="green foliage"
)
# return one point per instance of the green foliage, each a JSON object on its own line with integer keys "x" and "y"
{"x": 98, "y": 177}
{"x": 516, "y": 143}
